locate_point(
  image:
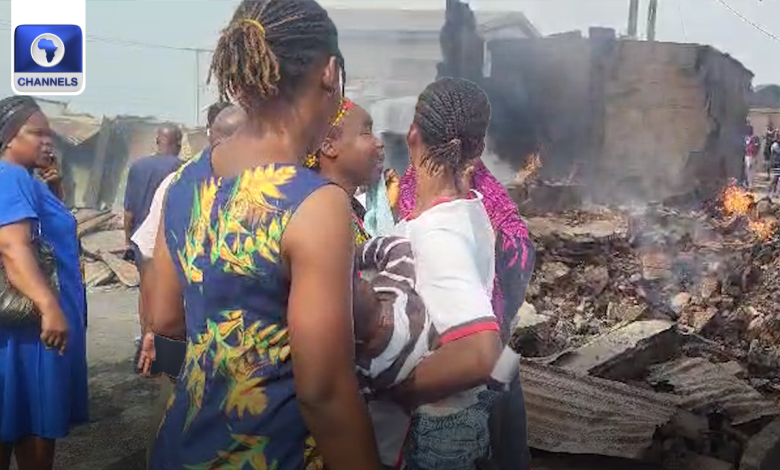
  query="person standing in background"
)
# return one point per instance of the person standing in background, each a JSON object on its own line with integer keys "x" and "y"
{"x": 43, "y": 368}
{"x": 143, "y": 179}
{"x": 769, "y": 138}
{"x": 752, "y": 146}
{"x": 774, "y": 172}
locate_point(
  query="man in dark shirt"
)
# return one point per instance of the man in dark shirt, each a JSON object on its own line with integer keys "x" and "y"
{"x": 143, "y": 178}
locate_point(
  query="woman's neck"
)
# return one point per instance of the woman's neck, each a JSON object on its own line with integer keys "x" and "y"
{"x": 430, "y": 189}
{"x": 259, "y": 143}
{"x": 334, "y": 177}
{"x": 6, "y": 157}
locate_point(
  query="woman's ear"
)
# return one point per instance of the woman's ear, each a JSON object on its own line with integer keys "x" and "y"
{"x": 331, "y": 78}
{"x": 328, "y": 149}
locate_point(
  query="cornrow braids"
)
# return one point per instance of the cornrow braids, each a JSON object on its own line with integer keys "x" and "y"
{"x": 269, "y": 47}
{"x": 452, "y": 115}
{"x": 14, "y": 112}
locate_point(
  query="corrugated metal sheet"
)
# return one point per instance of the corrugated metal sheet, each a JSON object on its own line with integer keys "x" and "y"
{"x": 704, "y": 387}
{"x": 75, "y": 129}
{"x": 574, "y": 414}
{"x": 763, "y": 450}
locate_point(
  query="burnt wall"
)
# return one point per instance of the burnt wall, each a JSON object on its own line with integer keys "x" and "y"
{"x": 632, "y": 119}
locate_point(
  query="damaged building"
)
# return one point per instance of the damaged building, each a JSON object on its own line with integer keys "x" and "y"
{"x": 630, "y": 119}
{"x": 95, "y": 153}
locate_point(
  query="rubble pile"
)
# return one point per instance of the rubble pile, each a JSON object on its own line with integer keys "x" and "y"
{"x": 103, "y": 245}
{"x": 673, "y": 312}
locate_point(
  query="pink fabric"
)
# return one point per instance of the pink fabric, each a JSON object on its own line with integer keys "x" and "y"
{"x": 503, "y": 215}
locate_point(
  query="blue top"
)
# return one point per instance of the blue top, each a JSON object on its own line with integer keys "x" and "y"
{"x": 143, "y": 179}
{"x": 45, "y": 400}
{"x": 234, "y": 405}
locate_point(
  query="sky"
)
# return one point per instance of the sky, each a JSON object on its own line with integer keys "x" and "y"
{"x": 124, "y": 77}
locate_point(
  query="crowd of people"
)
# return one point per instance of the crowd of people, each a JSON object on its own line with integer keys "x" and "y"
{"x": 321, "y": 332}
{"x": 769, "y": 148}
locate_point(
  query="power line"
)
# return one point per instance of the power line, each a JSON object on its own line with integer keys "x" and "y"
{"x": 682, "y": 21}
{"x": 5, "y": 25}
{"x": 748, "y": 21}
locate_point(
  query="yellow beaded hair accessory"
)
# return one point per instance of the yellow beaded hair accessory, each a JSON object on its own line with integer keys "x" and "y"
{"x": 312, "y": 161}
{"x": 256, "y": 24}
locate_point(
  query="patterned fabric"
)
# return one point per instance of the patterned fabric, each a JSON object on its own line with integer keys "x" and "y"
{"x": 515, "y": 253}
{"x": 401, "y": 327}
{"x": 358, "y": 215}
{"x": 234, "y": 405}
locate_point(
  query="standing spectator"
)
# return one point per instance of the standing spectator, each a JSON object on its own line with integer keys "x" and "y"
{"x": 143, "y": 179}
{"x": 774, "y": 152}
{"x": 43, "y": 368}
{"x": 769, "y": 138}
{"x": 752, "y": 146}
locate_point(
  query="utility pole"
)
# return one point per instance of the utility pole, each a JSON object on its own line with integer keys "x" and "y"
{"x": 197, "y": 86}
{"x": 652, "y": 15}
{"x": 633, "y": 18}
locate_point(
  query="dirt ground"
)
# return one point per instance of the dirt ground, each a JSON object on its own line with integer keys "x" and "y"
{"x": 121, "y": 403}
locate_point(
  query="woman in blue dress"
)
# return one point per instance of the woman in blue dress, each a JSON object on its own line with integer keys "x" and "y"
{"x": 242, "y": 271}
{"x": 43, "y": 369}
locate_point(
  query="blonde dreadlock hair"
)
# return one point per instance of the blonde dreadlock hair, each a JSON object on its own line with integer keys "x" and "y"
{"x": 269, "y": 47}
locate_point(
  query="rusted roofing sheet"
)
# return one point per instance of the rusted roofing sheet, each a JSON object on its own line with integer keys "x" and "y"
{"x": 75, "y": 129}
{"x": 704, "y": 387}
{"x": 574, "y": 414}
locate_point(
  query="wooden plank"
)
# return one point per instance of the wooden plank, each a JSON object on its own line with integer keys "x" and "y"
{"x": 83, "y": 215}
{"x": 624, "y": 353}
{"x": 110, "y": 241}
{"x": 97, "y": 274}
{"x": 126, "y": 272}
{"x": 93, "y": 225}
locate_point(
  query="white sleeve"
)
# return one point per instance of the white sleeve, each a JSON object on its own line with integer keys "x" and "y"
{"x": 450, "y": 285}
{"x": 146, "y": 235}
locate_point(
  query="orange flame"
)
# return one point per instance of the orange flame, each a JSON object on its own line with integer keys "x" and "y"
{"x": 738, "y": 202}
{"x": 532, "y": 165}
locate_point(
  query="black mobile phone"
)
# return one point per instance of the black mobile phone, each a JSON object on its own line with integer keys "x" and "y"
{"x": 169, "y": 356}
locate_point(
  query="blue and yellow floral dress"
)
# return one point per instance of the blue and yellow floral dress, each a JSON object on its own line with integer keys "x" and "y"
{"x": 234, "y": 405}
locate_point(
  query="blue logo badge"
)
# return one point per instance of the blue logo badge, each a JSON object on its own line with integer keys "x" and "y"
{"x": 48, "y": 59}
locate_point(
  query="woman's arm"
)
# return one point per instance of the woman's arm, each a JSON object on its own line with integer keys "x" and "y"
{"x": 21, "y": 267}
{"x": 164, "y": 300}
{"x": 454, "y": 367}
{"x": 321, "y": 330}
{"x": 18, "y": 202}
{"x": 461, "y": 311}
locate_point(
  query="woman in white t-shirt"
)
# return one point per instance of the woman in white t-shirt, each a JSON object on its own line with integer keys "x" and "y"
{"x": 453, "y": 244}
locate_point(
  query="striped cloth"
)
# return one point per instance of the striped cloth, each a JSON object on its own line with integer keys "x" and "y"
{"x": 400, "y": 331}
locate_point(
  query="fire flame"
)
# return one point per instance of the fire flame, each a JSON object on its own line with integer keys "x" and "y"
{"x": 738, "y": 202}
{"x": 532, "y": 165}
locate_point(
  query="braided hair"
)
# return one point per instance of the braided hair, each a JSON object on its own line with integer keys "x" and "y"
{"x": 214, "y": 111}
{"x": 269, "y": 47}
{"x": 14, "y": 112}
{"x": 452, "y": 116}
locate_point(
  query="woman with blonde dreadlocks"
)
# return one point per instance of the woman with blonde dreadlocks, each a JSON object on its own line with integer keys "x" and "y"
{"x": 265, "y": 310}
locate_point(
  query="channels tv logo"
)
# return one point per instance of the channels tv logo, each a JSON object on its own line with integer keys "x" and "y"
{"x": 48, "y": 59}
